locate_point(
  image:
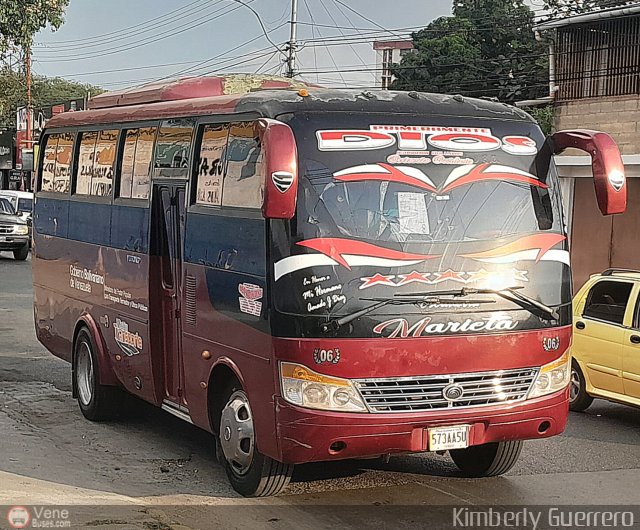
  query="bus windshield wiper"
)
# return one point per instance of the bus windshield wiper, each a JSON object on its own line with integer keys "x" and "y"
{"x": 337, "y": 323}
{"x": 508, "y": 293}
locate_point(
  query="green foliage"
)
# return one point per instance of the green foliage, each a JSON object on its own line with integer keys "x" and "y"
{"x": 20, "y": 20}
{"x": 487, "y": 48}
{"x": 46, "y": 91}
{"x": 545, "y": 118}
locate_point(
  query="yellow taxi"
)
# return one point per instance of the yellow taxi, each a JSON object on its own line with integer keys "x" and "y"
{"x": 606, "y": 340}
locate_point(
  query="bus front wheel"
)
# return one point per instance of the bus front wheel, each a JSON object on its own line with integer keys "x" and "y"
{"x": 487, "y": 460}
{"x": 97, "y": 402}
{"x": 251, "y": 473}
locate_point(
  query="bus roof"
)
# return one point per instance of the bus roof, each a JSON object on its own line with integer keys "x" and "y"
{"x": 270, "y": 97}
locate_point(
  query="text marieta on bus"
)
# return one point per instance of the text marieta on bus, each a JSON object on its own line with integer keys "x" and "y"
{"x": 313, "y": 274}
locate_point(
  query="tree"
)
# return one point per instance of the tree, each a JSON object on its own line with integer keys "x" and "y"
{"x": 46, "y": 91}
{"x": 20, "y": 20}
{"x": 487, "y": 48}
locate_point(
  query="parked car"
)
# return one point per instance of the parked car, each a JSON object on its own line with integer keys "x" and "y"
{"x": 606, "y": 340}
{"x": 14, "y": 231}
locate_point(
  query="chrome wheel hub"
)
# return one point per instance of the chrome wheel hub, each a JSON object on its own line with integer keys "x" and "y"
{"x": 575, "y": 385}
{"x": 84, "y": 374}
{"x": 237, "y": 436}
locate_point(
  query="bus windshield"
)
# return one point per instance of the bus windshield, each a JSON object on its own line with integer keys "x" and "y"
{"x": 395, "y": 204}
{"x": 426, "y": 194}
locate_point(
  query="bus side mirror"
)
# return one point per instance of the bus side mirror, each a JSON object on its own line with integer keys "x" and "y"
{"x": 606, "y": 164}
{"x": 280, "y": 163}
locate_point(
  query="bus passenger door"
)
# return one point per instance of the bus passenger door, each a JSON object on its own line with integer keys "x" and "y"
{"x": 169, "y": 214}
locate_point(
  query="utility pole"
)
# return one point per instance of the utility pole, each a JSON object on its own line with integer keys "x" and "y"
{"x": 292, "y": 46}
{"x": 27, "y": 62}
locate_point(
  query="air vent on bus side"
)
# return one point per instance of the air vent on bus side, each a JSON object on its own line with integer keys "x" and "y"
{"x": 190, "y": 300}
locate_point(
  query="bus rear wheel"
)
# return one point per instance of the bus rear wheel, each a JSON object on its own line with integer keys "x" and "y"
{"x": 97, "y": 402}
{"x": 487, "y": 460}
{"x": 251, "y": 473}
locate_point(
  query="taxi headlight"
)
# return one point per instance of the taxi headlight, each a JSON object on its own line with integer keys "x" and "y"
{"x": 552, "y": 377}
{"x": 306, "y": 388}
{"x": 21, "y": 230}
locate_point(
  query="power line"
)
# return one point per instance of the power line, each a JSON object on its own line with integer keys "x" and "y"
{"x": 145, "y": 42}
{"x": 129, "y": 28}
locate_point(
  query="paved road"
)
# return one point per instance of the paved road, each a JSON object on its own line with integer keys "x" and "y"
{"x": 150, "y": 470}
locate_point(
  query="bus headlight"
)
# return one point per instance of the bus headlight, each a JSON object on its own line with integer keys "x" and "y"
{"x": 552, "y": 377}
{"x": 306, "y": 388}
{"x": 21, "y": 230}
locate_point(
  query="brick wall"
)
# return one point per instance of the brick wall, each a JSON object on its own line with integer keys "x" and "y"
{"x": 619, "y": 116}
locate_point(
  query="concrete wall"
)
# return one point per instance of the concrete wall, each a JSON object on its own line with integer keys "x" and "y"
{"x": 619, "y": 116}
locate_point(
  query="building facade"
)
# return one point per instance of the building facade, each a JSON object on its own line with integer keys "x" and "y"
{"x": 388, "y": 53}
{"x": 595, "y": 84}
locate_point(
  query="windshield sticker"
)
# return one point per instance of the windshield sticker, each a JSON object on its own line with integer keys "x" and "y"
{"x": 412, "y": 210}
{"x": 418, "y": 138}
{"x": 348, "y": 253}
{"x": 493, "y": 278}
{"x": 250, "y": 299}
{"x": 130, "y": 343}
{"x": 400, "y": 328}
{"x": 459, "y": 176}
{"x": 323, "y": 296}
{"x": 529, "y": 248}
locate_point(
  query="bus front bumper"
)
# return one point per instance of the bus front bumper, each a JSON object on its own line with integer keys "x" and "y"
{"x": 307, "y": 435}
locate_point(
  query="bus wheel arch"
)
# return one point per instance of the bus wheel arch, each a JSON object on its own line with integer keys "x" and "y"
{"x": 260, "y": 475}
{"x": 106, "y": 376}
{"x": 97, "y": 401}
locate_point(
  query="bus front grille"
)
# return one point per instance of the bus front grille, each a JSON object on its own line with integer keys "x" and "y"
{"x": 420, "y": 393}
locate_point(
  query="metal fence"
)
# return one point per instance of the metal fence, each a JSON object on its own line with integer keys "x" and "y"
{"x": 598, "y": 59}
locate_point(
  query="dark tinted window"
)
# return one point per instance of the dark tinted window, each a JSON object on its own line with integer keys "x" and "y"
{"x": 607, "y": 301}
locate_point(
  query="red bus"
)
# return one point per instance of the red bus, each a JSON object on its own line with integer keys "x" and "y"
{"x": 313, "y": 274}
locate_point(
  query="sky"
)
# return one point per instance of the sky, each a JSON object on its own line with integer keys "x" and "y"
{"x": 117, "y": 44}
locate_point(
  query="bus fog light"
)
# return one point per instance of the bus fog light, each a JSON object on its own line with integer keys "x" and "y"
{"x": 306, "y": 388}
{"x": 553, "y": 377}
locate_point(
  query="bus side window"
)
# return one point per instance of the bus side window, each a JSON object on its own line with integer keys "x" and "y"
{"x": 62, "y": 173}
{"x": 49, "y": 163}
{"x": 103, "y": 163}
{"x": 243, "y": 181}
{"x": 136, "y": 163}
{"x": 85, "y": 162}
{"x": 173, "y": 148}
{"x": 211, "y": 168}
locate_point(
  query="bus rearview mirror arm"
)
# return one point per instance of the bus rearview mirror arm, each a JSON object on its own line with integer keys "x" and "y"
{"x": 280, "y": 163}
{"x": 606, "y": 164}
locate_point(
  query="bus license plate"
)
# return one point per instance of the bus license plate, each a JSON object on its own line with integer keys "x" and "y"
{"x": 445, "y": 438}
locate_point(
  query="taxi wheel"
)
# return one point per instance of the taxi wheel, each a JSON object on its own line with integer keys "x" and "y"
{"x": 97, "y": 402}
{"x": 251, "y": 473}
{"x": 579, "y": 400}
{"x": 487, "y": 460}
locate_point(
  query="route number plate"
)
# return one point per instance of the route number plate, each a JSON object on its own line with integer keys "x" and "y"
{"x": 445, "y": 438}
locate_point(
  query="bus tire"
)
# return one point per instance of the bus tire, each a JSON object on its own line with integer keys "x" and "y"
{"x": 487, "y": 460}
{"x": 97, "y": 402}
{"x": 579, "y": 400}
{"x": 21, "y": 254}
{"x": 251, "y": 473}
